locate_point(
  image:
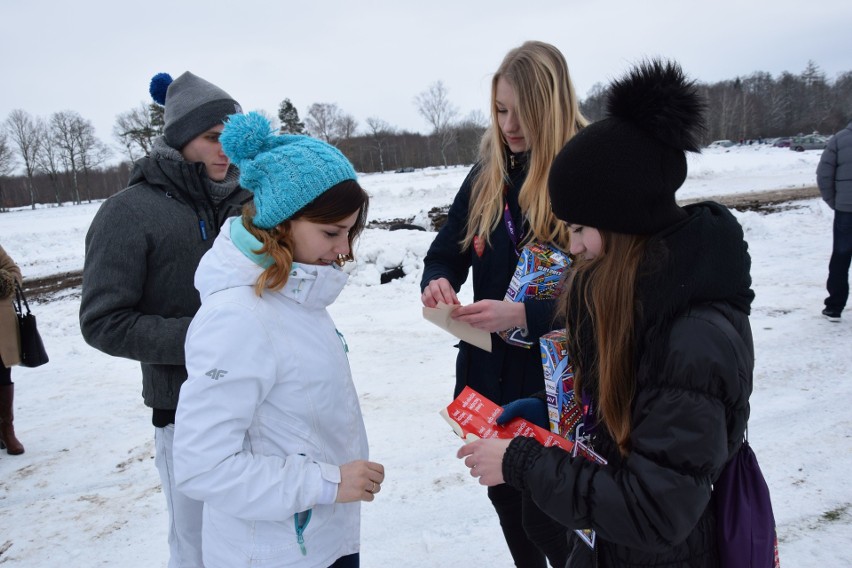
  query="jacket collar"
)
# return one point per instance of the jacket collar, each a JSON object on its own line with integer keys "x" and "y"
{"x": 165, "y": 168}
{"x": 307, "y": 284}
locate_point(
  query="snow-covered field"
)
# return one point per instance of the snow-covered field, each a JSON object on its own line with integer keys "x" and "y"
{"x": 86, "y": 492}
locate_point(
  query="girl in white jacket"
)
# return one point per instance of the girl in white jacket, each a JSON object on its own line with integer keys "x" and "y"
{"x": 270, "y": 434}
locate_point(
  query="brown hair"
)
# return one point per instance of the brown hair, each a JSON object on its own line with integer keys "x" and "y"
{"x": 550, "y": 116}
{"x": 605, "y": 289}
{"x": 334, "y": 204}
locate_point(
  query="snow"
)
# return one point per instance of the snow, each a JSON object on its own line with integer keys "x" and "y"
{"x": 86, "y": 492}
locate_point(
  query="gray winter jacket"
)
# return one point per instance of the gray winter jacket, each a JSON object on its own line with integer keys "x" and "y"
{"x": 834, "y": 172}
{"x": 142, "y": 249}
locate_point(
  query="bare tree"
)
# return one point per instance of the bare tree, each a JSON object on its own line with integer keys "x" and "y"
{"x": 345, "y": 127}
{"x": 380, "y": 132}
{"x": 843, "y": 90}
{"x": 469, "y": 132}
{"x": 93, "y": 152}
{"x": 434, "y": 105}
{"x": 79, "y": 149}
{"x": 63, "y": 127}
{"x": 7, "y": 157}
{"x": 322, "y": 121}
{"x": 48, "y": 160}
{"x": 327, "y": 122}
{"x": 136, "y": 129}
{"x": 593, "y": 106}
{"x": 7, "y": 164}
{"x": 477, "y": 119}
{"x": 23, "y": 130}
{"x": 819, "y": 99}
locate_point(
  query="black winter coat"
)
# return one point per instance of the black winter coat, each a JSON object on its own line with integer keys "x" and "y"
{"x": 693, "y": 380}
{"x": 508, "y": 372}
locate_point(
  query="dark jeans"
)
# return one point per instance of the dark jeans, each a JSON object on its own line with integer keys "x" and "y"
{"x": 838, "y": 267}
{"x": 533, "y": 537}
{"x": 351, "y": 561}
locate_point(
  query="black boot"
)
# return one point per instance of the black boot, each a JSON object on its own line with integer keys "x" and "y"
{"x": 7, "y": 430}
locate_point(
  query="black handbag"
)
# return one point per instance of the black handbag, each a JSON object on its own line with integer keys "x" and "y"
{"x": 32, "y": 347}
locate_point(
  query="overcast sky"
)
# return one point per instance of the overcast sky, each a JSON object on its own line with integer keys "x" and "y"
{"x": 372, "y": 58}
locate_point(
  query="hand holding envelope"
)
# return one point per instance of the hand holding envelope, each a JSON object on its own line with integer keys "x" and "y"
{"x": 441, "y": 315}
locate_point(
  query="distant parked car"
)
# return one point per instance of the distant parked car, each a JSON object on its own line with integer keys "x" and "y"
{"x": 782, "y": 143}
{"x": 404, "y": 170}
{"x": 811, "y": 142}
{"x": 720, "y": 144}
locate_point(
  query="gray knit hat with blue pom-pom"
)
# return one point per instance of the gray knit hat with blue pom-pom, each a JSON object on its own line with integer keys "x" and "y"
{"x": 284, "y": 172}
{"x": 192, "y": 106}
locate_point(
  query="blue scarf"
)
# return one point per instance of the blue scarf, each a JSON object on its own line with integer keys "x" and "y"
{"x": 247, "y": 244}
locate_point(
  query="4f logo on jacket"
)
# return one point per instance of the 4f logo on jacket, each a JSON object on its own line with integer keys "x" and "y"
{"x": 216, "y": 374}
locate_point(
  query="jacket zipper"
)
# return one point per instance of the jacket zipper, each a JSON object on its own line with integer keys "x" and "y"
{"x": 342, "y": 340}
{"x": 300, "y": 529}
{"x": 202, "y": 226}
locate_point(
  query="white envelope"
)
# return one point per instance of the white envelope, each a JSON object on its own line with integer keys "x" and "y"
{"x": 440, "y": 316}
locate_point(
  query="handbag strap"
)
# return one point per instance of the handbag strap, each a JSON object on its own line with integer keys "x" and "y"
{"x": 20, "y": 297}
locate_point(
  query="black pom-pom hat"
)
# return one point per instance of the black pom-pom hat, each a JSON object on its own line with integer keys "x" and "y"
{"x": 621, "y": 173}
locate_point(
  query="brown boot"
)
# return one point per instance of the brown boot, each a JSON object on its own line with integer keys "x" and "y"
{"x": 7, "y": 431}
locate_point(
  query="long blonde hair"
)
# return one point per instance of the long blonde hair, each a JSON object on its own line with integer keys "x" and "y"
{"x": 604, "y": 289}
{"x": 550, "y": 116}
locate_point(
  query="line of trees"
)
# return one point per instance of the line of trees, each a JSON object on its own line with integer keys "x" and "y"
{"x": 758, "y": 106}
{"x": 59, "y": 159}
{"x": 379, "y": 146}
{"x": 62, "y": 152}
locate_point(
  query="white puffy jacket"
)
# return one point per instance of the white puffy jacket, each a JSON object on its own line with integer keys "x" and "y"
{"x": 268, "y": 414}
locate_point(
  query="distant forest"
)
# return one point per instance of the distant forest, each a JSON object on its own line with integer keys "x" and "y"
{"x": 59, "y": 160}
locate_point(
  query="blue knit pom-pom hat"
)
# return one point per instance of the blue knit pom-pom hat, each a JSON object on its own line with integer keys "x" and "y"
{"x": 284, "y": 172}
{"x": 192, "y": 106}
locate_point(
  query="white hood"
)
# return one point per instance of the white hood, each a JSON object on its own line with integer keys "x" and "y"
{"x": 224, "y": 266}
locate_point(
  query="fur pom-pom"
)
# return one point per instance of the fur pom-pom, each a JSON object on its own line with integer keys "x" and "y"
{"x": 657, "y": 97}
{"x": 159, "y": 85}
{"x": 245, "y": 135}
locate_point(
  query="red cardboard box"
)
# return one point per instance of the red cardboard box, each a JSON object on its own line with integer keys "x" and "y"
{"x": 473, "y": 416}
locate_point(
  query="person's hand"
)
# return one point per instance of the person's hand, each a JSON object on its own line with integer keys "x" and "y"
{"x": 360, "y": 481}
{"x": 532, "y": 410}
{"x": 439, "y": 290}
{"x": 485, "y": 459}
{"x": 492, "y": 315}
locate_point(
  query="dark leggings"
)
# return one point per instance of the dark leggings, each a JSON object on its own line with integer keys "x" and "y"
{"x": 533, "y": 537}
{"x": 351, "y": 561}
{"x": 5, "y": 374}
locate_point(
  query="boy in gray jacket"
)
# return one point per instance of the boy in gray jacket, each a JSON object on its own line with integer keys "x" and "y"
{"x": 142, "y": 249}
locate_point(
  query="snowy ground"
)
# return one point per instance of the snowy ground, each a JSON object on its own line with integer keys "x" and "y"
{"x": 86, "y": 492}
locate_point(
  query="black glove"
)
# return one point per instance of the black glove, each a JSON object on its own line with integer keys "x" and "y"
{"x": 532, "y": 410}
